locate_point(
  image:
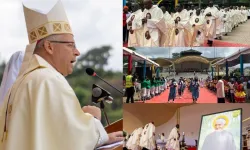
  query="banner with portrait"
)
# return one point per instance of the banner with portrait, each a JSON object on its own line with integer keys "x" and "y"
{"x": 221, "y": 131}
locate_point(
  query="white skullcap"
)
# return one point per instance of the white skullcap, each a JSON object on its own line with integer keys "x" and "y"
{"x": 220, "y": 121}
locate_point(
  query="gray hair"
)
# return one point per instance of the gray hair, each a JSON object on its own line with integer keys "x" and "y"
{"x": 52, "y": 37}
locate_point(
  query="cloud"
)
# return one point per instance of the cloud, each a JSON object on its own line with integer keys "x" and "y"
{"x": 94, "y": 22}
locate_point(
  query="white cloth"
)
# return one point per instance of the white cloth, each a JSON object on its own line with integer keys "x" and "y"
{"x": 165, "y": 36}
{"x": 153, "y": 26}
{"x": 129, "y": 142}
{"x": 211, "y": 27}
{"x": 143, "y": 92}
{"x": 172, "y": 141}
{"x": 219, "y": 140}
{"x": 135, "y": 139}
{"x": 220, "y": 89}
{"x": 182, "y": 39}
{"x": 199, "y": 22}
{"x": 135, "y": 38}
{"x": 147, "y": 139}
{"x": 10, "y": 73}
{"x": 148, "y": 92}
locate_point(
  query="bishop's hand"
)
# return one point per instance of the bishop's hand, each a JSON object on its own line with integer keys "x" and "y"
{"x": 93, "y": 110}
{"x": 115, "y": 137}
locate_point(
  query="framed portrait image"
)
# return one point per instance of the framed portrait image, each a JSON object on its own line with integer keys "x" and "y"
{"x": 221, "y": 131}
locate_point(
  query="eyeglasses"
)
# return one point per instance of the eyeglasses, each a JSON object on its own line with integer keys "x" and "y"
{"x": 73, "y": 45}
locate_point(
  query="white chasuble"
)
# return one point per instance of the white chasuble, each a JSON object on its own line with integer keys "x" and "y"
{"x": 165, "y": 37}
{"x": 135, "y": 30}
{"x": 148, "y": 138}
{"x": 172, "y": 141}
{"x": 155, "y": 24}
{"x": 129, "y": 143}
{"x": 180, "y": 34}
{"x": 211, "y": 22}
{"x": 199, "y": 22}
{"x": 44, "y": 113}
{"x": 135, "y": 140}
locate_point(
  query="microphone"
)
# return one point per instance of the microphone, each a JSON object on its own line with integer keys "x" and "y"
{"x": 100, "y": 95}
{"x": 91, "y": 72}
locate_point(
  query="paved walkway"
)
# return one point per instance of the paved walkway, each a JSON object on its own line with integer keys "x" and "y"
{"x": 240, "y": 34}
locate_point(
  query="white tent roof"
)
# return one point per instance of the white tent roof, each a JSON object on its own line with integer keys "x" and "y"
{"x": 138, "y": 57}
{"x": 234, "y": 59}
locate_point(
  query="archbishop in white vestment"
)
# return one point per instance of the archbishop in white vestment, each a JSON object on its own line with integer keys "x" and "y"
{"x": 41, "y": 110}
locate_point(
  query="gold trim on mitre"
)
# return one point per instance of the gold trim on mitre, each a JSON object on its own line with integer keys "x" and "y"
{"x": 40, "y": 25}
{"x": 221, "y": 117}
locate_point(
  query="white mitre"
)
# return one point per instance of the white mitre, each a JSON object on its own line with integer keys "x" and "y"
{"x": 40, "y": 25}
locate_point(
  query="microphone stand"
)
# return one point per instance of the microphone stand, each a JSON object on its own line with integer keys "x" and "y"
{"x": 102, "y": 106}
{"x": 109, "y": 84}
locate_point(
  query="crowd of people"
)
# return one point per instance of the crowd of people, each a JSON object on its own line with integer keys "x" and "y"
{"x": 236, "y": 90}
{"x": 157, "y": 27}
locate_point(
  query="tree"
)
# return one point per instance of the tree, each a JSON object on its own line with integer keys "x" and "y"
{"x": 96, "y": 57}
{"x": 175, "y": 55}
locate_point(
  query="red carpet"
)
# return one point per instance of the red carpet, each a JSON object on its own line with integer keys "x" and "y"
{"x": 217, "y": 43}
{"x": 206, "y": 96}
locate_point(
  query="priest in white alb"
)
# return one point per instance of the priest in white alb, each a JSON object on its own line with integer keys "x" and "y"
{"x": 135, "y": 139}
{"x": 219, "y": 139}
{"x": 198, "y": 27}
{"x": 165, "y": 37}
{"x": 173, "y": 139}
{"x": 135, "y": 27}
{"x": 41, "y": 110}
{"x": 211, "y": 15}
{"x": 180, "y": 34}
{"x": 227, "y": 28}
{"x": 220, "y": 24}
{"x": 153, "y": 24}
{"x": 147, "y": 141}
{"x": 129, "y": 142}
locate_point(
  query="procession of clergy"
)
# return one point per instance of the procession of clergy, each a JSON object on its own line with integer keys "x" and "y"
{"x": 156, "y": 27}
{"x": 143, "y": 138}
